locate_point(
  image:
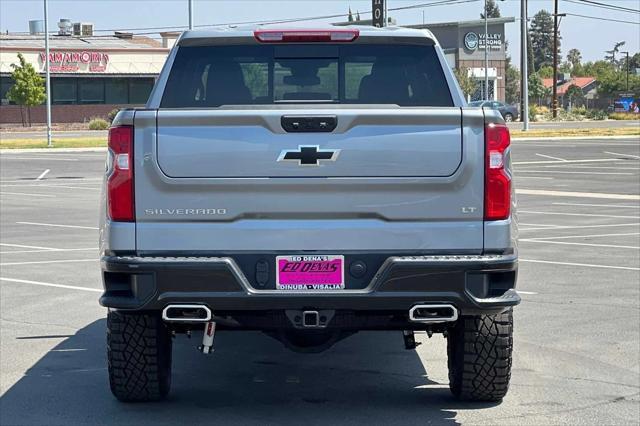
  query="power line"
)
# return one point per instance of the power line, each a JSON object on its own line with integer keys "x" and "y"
{"x": 602, "y": 19}
{"x": 606, "y": 6}
{"x": 150, "y": 30}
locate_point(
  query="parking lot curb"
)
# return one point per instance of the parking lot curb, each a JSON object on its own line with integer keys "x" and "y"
{"x": 568, "y": 138}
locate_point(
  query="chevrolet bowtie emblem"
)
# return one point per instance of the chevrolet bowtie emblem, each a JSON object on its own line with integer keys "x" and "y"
{"x": 309, "y": 155}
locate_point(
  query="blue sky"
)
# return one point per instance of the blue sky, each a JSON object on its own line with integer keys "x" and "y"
{"x": 592, "y": 37}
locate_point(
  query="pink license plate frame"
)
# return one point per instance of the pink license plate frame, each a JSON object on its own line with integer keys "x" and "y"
{"x": 310, "y": 272}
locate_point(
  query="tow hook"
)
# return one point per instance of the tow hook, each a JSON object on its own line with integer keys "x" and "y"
{"x": 410, "y": 340}
{"x": 207, "y": 337}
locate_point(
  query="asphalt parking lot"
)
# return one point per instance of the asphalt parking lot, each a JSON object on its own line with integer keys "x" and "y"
{"x": 577, "y": 332}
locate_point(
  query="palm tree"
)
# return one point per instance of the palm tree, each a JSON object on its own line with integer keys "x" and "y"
{"x": 574, "y": 57}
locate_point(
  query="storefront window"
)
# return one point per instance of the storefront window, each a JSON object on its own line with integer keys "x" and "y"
{"x": 64, "y": 91}
{"x": 139, "y": 90}
{"x": 5, "y": 85}
{"x": 117, "y": 91}
{"x": 91, "y": 90}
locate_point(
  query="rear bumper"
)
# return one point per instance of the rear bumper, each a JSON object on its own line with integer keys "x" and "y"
{"x": 473, "y": 284}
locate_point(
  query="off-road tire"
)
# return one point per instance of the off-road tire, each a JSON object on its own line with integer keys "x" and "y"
{"x": 479, "y": 352}
{"x": 139, "y": 356}
{"x": 508, "y": 117}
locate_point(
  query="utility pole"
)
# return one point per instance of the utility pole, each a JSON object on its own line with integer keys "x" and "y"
{"x": 554, "y": 102}
{"x": 386, "y": 14}
{"x": 486, "y": 53}
{"x": 47, "y": 73}
{"x": 524, "y": 64}
{"x": 627, "y": 62}
{"x": 190, "y": 15}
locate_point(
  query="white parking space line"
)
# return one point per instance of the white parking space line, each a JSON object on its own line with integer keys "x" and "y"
{"x": 581, "y": 226}
{"x": 586, "y": 265}
{"x": 25, "y": 194}
{"x": 615, "y": 206}
{"x": 533, "y": 240}
{"x": 637, "y": 157}
{"x": 526, "y": 292}
{"x": 577, "y": 214}
{"x": 56, "y": 225}
{"x": 8, "y": 157}
{"x": 595, "y": 160}
{"x": 567, "y": 237}
{"x": 534, "y": 177}
{"x": 48, "y": 250}
{"x": 564, "y": 172}
{"x": 59, "y": 179}
{"x": 539, "y": 224}
{"x": 25, "y": 246}
{"x": 43, "y": 174}
{"x": 604, "y": 196}
{"x": 550, "y": 157}
{"x": 70, "y": 287}
{"x": 90, "y": 188}
{"x": 578, "y": 167}
{"x": 38, "y": 262}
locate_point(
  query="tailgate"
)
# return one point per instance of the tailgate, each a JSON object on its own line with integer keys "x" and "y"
{"x": 424, "y": 142}
{"x": 404, "y": 180}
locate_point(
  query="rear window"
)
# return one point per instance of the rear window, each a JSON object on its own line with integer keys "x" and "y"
{"x": 211, "y": 76}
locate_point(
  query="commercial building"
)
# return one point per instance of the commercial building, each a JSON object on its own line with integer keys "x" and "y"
{"x": 90, "y": 74}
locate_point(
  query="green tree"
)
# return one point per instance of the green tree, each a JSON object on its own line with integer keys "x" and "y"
{"x": 357, "y": 16}
{"x": 542, "y": 39}
{"x": 545, "y": 72}
{"x": 493, "y": 11}
{"x": 575, "y": 96}
{"x": 350, "y": 19}
{"x": 574, "y": 58}
{"x": 467, "y": 83}
{"x": 28, "y": 88}
{"x": 611, "y": 54}
{"x": 537, "y": 91}
{"x": 634, "y": 62}
{"x": 512, "y": 83}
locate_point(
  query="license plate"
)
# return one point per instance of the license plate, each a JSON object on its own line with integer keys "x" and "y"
{"x": 310, "y": 272}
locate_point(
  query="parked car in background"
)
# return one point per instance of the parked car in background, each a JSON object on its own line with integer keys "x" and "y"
{"x": 508, "y": 112}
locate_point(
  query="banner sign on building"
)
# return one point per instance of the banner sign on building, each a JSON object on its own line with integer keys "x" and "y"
{"x": 377, "y": 13}
{"x": 72, "y": 61}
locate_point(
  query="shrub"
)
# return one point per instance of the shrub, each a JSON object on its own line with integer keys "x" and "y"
{"x": 624, "y": 116}
{"x": 112, "y": 114}
{"x": 533, "y": 112}
{"x": 542, "y": 109}
{"x": 596, "y": 114}
{"x": 98, "y": 124}
{"x": 581, "y": 110}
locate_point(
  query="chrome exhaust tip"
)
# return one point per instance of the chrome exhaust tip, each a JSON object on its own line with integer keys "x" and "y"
{"x": 186, "y": 313}
{"x": 433, "y": 313}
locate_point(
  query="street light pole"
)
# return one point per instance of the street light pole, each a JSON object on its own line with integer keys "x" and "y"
{"x": 190, "y": 15}
{"x": 627, "y": 62}
{"x": 486, "y": 54}
{"x": 554, "y": 102}
{"x": 47, "y": 73}
{"x": 524, "y": 61}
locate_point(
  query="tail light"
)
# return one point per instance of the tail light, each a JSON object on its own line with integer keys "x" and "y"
{"x": 306, "y": 36}
{"x": 497, "y": 184}
{"x": 120, "y": 174}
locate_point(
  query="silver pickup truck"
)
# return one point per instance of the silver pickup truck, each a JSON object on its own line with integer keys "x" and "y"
{"x": 308, "y": 184}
